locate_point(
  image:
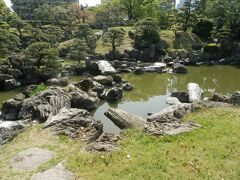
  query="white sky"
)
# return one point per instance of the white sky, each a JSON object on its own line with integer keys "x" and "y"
{"x": 89, "y": 2}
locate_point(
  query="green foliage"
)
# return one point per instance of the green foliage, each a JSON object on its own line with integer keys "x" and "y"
{"x": 203, "y": 28}
{"x": 115, "y": 37}
{"x": 78, "y": 50}
{"x": 187, "y": 16}
{"x": 86, "y": 33}
{"x": 147, "y": 33}
{"x": 40, "y": 88}
{"x": 211, "y": 48}
{"x": 44, "y": 54}
{"x": 8, "y": 42}
{"x": 4, "y": 11}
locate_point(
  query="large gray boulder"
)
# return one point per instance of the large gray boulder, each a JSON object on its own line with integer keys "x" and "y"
{"x": 170, "y": 114}
{"x": 104, "y": 80}
{"x": 9, "y": 129}
{"x": 181, "y": 96}
{"x": 10, "y": 84}
{"x": 168, "y": 121}
{"x": 235, "y": 98}
{"x": 123, "y": 119}
{"x": 16, "y": 73}
{"x": 221, "y": 98}
{"x": 11, "y": 108}
{"x": 138, "y": 70}
{"x": 81, "y": 99}
{"x": 76, "y": 123}
{"x": 105, "y": 67}
{"x": 195, "y": 92}
{"x": 114, "y": 94}
{"x": 179, "y": 68}
{"x": 105, "y": 143}
{"x": 57, "y": 82}
{"x": 44, "y": 104}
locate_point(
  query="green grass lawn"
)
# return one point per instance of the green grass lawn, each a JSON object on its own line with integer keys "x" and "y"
{"x": 212, "y": 152}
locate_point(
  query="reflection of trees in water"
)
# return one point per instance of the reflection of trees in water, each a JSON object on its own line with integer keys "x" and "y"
{"x": 222, "y": 79}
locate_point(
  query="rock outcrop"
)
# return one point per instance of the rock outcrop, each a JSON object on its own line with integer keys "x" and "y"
{"x": 9, "y": 129}
{"x": 57, "y": 82}
{"x": 194, "y": 91}
{"x": 114, "y": 94}
{"x": 44, "y": 104}
{"x": 235, "y": 98}
{"x": 179, "y": 68}
{"x": 106, "y": 142}
{"x": 105, "y": 67}
{"x": 75, "y": 123}
{"x": 104, "y": 80}
{"x": 81, "y": 99}
{"x": 123, "y": 119}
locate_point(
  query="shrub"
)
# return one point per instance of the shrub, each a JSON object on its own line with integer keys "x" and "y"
{"x": 211, "y": 48}
{"x": 203, "y": 28}
{"x": 147, "y": 33}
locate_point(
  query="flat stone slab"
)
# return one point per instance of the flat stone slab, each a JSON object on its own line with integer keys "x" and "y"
{"x": 58, "y": 172}
{"x": 31, "y": 158}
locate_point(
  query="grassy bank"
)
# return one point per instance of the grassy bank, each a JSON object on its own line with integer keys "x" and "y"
{"x": 211, "y": 152}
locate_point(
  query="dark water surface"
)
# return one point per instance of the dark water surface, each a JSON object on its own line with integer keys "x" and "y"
{"x": 151, "y": 90}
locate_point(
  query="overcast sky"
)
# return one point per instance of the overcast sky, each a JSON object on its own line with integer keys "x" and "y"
{"x": 89, "y": 2}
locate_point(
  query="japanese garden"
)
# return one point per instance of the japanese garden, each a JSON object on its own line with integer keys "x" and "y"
{"x": 119, "y": 89}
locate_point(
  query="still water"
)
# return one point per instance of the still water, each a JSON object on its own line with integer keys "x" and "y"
{"x": 151, "y": 90}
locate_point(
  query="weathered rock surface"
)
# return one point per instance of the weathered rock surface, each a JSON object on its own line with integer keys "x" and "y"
{"x": 76, "y": 123}
{"x": 107, "y": 142}
{"x": 170, "y": 114}
{"x": 195, "y": 92}
{"x": 105, "y": 67}
{"x": 16, "y": 73}
{"x": 44, "y": 104}
{"x": 153, "y": 69}
{"x": 31, "y": 158}
{"x": 114, "y": 94}
{"x": 104, "y": 80}
{"x": 138, "y": 70}
{"x": 123, "y": 119}
{"x": 173, "y": 128}
{"x": 181, "y": 96}
{"x": 58, "y": 172}
{"x": 57, "y": 82}
{"x": 12, "y": 107}
{"x": 81, "y": 99}
{"x": 127, "y": 87}
{"x": 221, "y": 98}
{"x": 235, "y": 98}
{"x": 29, "y": 89}
{"x": 168, "y": 121}
{"x": 173, "y": 101}
{"x": 160, "y": 65}
{"x": 179, "y": 68}
{"x": 10, "y": 84}
{"x": 9, "y": 129}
